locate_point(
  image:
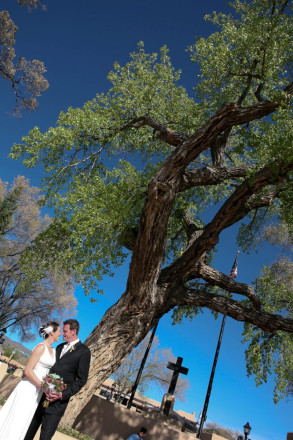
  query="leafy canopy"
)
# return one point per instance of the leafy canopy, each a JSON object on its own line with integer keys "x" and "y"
{"x": 98, "y": 168}
{"x": 99, "y": 160}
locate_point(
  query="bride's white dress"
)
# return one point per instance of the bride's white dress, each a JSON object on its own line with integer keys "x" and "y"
{"x": 18, "y": 411}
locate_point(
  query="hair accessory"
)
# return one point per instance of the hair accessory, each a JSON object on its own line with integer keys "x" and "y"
{"x": 45, "y": 331}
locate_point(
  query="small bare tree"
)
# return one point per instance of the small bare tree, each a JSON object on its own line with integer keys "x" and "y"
{"x": 26, "y": 77}
{"x": 214, "y": 428}
{"x": 29, "y": 292}
{"x": 155, "y": 371}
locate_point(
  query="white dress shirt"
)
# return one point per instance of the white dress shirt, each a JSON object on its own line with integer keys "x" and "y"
{"x": 68, "y": 346}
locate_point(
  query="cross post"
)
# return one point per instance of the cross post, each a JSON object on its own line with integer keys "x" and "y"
{"x": 177, "y": 368}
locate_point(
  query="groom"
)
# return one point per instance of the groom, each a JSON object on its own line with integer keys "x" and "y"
{"x": 72, "y": 364}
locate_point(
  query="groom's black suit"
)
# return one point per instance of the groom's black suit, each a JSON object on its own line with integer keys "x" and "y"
{"x": 73, "y": 366}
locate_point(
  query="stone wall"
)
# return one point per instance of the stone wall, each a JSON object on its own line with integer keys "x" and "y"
{"x": 8, "y": 381}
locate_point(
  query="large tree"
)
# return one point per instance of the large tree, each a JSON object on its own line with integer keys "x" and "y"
{"x": 148, "y": 169}
{"x": 29, "y": 294}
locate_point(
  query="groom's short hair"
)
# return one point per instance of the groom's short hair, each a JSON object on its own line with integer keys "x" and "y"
{"x": 73, "y": 324}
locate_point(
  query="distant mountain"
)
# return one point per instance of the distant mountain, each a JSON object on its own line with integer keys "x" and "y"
{"x": 10, "y": 343}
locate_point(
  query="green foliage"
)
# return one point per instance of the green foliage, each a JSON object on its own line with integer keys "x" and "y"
{"x": 73, "y": 433}
{"x": 18, "y": 355}
{"x": 252, "y": 49}
{"x": 7, "y": 350}
{"x": 286, "y": 214}
{"x": 248, "y": 231}
{"x": 275, "y": 287}
{"x": 272, "y": 353}
{"x": 7, "y": 207}
{"x": 100, "y": 159}
{"x": 180, "y": 313}
{"x": 96, "y": 199}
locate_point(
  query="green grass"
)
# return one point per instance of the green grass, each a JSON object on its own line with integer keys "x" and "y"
{"x": 2, "y": 401}
{"x": 73, "y": 433}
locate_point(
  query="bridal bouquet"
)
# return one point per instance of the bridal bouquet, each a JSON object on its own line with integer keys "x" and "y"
{"x": 53, "y": 384}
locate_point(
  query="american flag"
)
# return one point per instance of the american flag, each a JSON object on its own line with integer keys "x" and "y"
{"x": 233, "y": 273}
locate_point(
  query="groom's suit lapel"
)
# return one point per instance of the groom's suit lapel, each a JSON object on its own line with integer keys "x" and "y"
{"x": 76, "y": 346}
{"x": 58, "y": 350}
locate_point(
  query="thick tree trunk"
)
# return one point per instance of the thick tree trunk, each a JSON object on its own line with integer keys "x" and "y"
{"x": 126, "y": 324}
{"x": 122, "y": 328}
{"x": 151, "y": 292}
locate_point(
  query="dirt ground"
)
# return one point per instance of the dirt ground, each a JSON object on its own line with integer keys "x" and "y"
{"x": 57, "y": 435}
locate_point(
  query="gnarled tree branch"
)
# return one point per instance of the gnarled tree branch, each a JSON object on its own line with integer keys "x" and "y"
{"x": 234, "y": 209}
{"x": 214, "y": 277}
{"x": 266, "y": 321}
{"x": 211, "y": 175}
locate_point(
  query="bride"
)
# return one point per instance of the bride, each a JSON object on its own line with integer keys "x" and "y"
{"x": 18, "y": 411}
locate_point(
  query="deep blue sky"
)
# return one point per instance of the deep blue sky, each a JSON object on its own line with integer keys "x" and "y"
{"x": 79, "y": 42}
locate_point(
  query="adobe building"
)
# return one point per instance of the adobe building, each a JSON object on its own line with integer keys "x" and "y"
{"x": 144, "y": 405}
{"x": 103, "y": 418}
{"x": 106, "y": 417}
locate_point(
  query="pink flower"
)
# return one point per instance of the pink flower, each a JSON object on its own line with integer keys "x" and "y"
{"x": 54, "y": 383}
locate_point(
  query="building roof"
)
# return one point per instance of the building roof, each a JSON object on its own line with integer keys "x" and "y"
{"x": 147, "y": 401}
{"x": 186, "y": 415}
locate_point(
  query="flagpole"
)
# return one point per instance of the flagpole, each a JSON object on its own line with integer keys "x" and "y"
{"x": 232, "y": 275}
{"x": 206, "y": 403}
{"x": 141, "y": 367}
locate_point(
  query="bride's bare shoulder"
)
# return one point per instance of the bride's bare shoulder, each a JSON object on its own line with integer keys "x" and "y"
{"x": 40, "y": 348}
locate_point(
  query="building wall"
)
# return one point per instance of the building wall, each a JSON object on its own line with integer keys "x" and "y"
{"x": 104, "y": 420}
{"x": 8, "y": 381}
{"x": 206, "y": 436}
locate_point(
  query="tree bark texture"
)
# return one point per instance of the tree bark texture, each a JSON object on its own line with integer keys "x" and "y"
{"x": 152, "y": 291}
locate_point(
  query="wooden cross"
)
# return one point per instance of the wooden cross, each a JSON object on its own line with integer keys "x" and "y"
{"x": 177, "y": 368}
